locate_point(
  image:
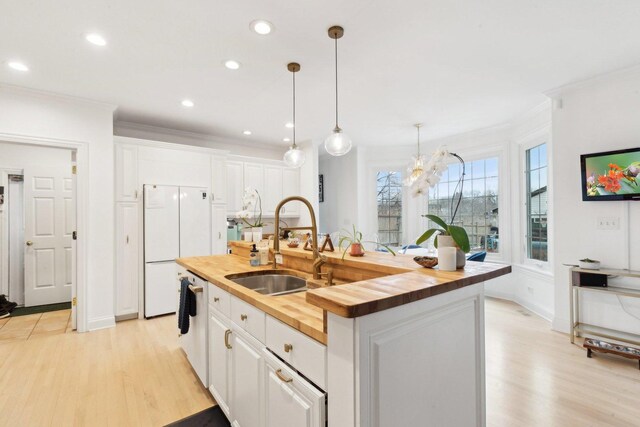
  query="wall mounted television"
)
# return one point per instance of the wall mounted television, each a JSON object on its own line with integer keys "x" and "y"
{"x": 611, "y": 175}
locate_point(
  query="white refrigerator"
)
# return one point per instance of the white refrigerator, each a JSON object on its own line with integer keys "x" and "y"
{"x": 176, "y": 224}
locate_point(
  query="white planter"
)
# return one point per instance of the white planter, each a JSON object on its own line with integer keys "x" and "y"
{"x": 448, "y": 242}
{"x": 257, "y": 234}
{"x": 447, "y": 258}
{"x": 248, "y": 235}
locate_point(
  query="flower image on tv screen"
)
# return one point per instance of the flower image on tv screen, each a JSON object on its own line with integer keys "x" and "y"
{"x": 611, "y": 176}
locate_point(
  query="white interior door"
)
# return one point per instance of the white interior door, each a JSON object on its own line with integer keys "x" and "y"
{"x": 49, "y": 223}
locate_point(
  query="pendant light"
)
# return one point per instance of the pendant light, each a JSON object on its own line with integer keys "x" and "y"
{"x": 294, "y": 157}
{"x": 338, "y": 143}
{"x": 416, "y": 168}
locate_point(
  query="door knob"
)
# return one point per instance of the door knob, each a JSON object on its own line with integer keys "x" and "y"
{"x": 29, "y": 243}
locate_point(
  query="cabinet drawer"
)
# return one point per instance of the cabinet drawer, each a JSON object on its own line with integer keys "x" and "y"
{"x": 248, "y": 317}
{"x": 220, "y": 300}
{"x": 303, "y": 353}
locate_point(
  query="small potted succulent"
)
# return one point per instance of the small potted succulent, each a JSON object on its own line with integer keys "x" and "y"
{"x": 355, "y": 243}
{"x": 448, "y": 235}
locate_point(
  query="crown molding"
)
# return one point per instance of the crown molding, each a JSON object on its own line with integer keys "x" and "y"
{"x": 557, "y": 92}
{"x": 120, "y": 125}
{"x": 22, "y": 90}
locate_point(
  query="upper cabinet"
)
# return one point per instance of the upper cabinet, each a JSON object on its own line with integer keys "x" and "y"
{"x": 272, "y": 181}
{"x": 235, "y": 187}
{"x": 291, "y": 187}
{"x": 254, "y": 178}
{"x": 272, "y": 189}
{"x": 218, "y": 179}
{"x": 126, "y": 170}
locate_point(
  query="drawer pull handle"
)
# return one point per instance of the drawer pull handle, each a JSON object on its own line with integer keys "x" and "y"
{"x": 243, "y": 317}
{"x": 282, "y": 377}
{"x": 226, "y": 338}
{"x": 216, "y": 299}
{"x": 288, "y": 348}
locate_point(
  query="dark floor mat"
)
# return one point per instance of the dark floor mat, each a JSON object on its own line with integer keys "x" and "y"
{"x": 23, "y": 311}
{"x": 212, "y": 417}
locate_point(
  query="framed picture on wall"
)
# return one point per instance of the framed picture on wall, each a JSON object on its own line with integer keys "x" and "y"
{"x": 321, "y": 188}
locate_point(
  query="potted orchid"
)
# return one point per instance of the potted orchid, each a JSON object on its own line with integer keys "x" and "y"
{"x": 251, "y": 214}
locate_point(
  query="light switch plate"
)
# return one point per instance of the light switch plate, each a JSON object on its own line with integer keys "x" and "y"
{"x": 608, "y": 223}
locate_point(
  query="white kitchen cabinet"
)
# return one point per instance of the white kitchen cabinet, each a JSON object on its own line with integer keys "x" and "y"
{"x": 291, "y": 187}
{"x": 219, "y": 359}
{"x": 218, "y": 229}
{"x": 291, "y": 401}
{"x": 247, "y": 381}
{"x": 254, "y": 178}
{"x": 126, "y": 170}
{"x": 127, "y": 260}
{"x": 235, "y": 186}
{"x": 218, "y": 179}
{"x": 272, "y": 189}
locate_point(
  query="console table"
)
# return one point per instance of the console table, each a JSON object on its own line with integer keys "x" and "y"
{"x": 585, "y": 280}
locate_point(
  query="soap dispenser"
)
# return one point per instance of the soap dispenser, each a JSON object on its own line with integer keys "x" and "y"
{"x": 254, "y": 260}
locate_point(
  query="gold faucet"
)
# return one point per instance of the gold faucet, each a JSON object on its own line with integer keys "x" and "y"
{"x": 318, "y": 260}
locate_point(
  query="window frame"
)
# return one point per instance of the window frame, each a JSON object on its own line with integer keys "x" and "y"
{"x": 501, "y": 152}
{"x": 537, "y": 140}
{"x": 402, "y": 215}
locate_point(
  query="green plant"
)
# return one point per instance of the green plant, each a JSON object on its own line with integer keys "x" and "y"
{"x": 356, "y": 237}
{"x": 458, "y": 234}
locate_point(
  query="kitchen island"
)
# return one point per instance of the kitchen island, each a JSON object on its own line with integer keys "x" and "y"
{"x": 391, "y": 344}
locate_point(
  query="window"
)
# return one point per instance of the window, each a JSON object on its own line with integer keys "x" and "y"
{"x": 536, "y": 190}
{"x": 389, "y": 186}
{"x": 478, "y": 212}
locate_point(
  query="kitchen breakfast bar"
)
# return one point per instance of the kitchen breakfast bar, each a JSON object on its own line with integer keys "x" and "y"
{"x": 389, "y": 343}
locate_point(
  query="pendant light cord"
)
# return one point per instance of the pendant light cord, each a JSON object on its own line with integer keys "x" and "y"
{"x": 418, "y": 141}
{"x": 336, "y": 64}
{"x": 294, "y": 109}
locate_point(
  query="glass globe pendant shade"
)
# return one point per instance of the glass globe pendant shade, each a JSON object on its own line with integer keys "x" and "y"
{"x": 338, "y": 143}
{"x": 294, "y": 157}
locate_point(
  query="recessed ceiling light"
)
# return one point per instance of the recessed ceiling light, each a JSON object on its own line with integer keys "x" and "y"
{"x": 262, "y": 27}
{"x": 96, "y": 39}
{"x": 289, "y": 125}
{"x": 187, "y": 103}
{"x": 232, "y": 65}
{"x": 286, "y": 139}
{"x": 247, "y": 132}
{"x": 19, "y": 66}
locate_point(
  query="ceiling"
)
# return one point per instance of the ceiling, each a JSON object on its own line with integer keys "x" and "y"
{"x": 456, "y": 65}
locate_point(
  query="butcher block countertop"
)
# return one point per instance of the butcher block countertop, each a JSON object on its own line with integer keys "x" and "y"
{"x": 401, "y": 281}
{"x": 292, "y": 309}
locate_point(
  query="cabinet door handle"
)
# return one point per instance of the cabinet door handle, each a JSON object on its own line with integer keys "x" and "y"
{"x": 219, "y": 235}
{"x": 226, "y": 338}
{"x": 282, "y": 377}
{"x": 243, "y": 317}
{"x": 135, "y": 196}
{"x": 127, "y": 239}
{"x": 288, "y": 348}
{"x": 216, "y": 299}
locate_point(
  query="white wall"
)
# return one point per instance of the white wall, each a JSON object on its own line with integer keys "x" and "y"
{"x": 340, "y": 207}
{"x": 597, "y": 115}
{"x": 31, "y": 114}
{"x": 17, "y": 157}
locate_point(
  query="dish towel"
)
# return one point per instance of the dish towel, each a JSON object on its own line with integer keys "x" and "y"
{"x": 187, "y": 306}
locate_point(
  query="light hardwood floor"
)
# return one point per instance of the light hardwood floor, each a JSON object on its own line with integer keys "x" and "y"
{"x": 535, "y": 377}
{"x": 131, "y": 375}
{"x": 136, "y": 375}
{"x": 34, "y": 326}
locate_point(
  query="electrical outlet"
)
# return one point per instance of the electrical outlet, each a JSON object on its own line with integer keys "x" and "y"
{"x": 608, "y": 223}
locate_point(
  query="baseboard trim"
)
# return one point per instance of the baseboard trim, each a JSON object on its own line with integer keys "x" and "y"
{"x": 101, "y": 323}
{"x": 535, "y": 308}
{"x": 128, "y": 316}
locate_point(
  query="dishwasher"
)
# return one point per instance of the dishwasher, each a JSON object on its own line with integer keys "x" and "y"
{"x": 194, "y": 343}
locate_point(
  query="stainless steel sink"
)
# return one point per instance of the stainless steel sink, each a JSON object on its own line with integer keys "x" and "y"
{"x": 270, "y": 282}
